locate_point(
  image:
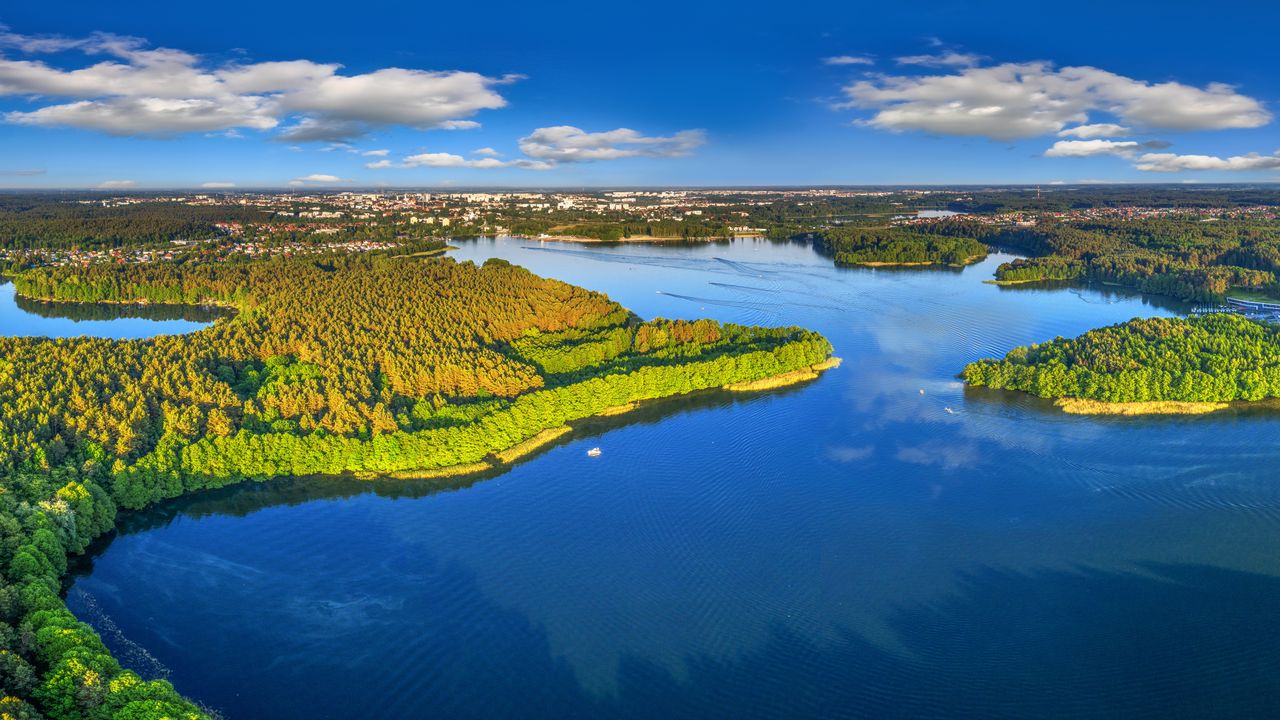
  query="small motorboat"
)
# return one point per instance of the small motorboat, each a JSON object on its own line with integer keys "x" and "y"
{"x": 593, "y": 452}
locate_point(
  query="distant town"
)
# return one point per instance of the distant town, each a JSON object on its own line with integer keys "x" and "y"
{"x": 265, "y": 224}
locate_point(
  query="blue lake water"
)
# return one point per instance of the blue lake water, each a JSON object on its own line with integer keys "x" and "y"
{"x": 877, "y": 543}
{"x": 23, "y": 317}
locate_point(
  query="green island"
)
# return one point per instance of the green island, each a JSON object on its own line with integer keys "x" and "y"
{"x": 362, "y": 364}
{"x": 1146, "y": 366}
{"x": 899, "y": 246}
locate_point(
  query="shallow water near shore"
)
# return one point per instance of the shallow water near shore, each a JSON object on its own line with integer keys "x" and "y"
{"x": 879, "y": 542}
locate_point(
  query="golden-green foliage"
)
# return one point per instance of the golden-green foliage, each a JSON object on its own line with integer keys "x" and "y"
{"x": 1209, "y": 359}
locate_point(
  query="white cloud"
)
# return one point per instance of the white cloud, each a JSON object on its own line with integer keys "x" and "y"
{"x": 1170, "y": 162}
{"x": 31, "y": 44}
{"x": 376, "y": 153}
{"x": 545, "y": 148}
{"x": 117, "y": 184}
{"x": 316, "y": 179}
{"x": 1096, "y": 130}
{"x": 310, "y": 129}
{"x": 1087, "y": 148}
{"x": 153, "y": 115}
{"x": 1022, "y": 100}
{"x": 217, "y": 185}
{"x": 949, "y": 59}
{"x": 449, "y": 160}
{"x": 565, "y": 143}
{"x": 163, "y": 91}
{"x": 848, "y": 60}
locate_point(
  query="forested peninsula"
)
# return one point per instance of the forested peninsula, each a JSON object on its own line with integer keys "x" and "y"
{"x": 1189, "y": 259}
{"x": 362, "y": 364}
{"x": 1156, "y": 365}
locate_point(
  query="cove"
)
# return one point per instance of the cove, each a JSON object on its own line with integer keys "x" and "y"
{"x": 879, "y": 542}
{"x": 21, "y": 316}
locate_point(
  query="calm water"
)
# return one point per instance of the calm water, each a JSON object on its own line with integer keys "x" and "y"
{"x": 20, "y": 316}
{"x": 878, "y": 543}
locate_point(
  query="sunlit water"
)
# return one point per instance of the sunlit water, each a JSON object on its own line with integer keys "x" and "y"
{"x": 24, "y": 317}
{"x": 877, "y": 543}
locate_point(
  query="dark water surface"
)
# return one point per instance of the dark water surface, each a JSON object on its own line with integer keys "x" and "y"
{"x": 878, "y": 543}
{"x": 24, "y": 317}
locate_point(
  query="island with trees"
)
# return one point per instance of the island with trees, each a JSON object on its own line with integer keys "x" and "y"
{"x": 1146, "y": 366}
{"x": 899, "y": 246}
{"x": 370, "y": 364}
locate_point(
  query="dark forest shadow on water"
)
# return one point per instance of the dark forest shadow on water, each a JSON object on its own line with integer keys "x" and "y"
{"x": 936, "y": 269}
{"x": 1013, "y": 403}
{"x": 1003, "y": 645}
{"x": 1106, "y": 293}
{"x": 24, "y": 317}
{"x": 116, "y": 311}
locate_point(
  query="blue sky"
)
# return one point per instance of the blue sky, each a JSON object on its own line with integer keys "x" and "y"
{"x": 264, "y": 94}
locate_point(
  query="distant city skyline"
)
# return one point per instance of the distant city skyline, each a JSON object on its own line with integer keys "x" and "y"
{"x": 328, "y": 95}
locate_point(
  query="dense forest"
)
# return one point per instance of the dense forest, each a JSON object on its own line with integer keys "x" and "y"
{"x": 1061, "y": 198}
{"x": 1187, "y": 259}
{"x": 898, "y": 246}
{"x": 28, "y": 221}
{"x": 1209, "y": 358}
{"x": 361, "y": 364}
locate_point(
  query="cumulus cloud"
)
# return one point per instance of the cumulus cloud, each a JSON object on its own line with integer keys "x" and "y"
{"x": 217, "y": 185}
{"x": 848, "y": 60}
{"x": 1087, "y": 148}
{"x": 316, "y": 179}
{"x": 117, "y": 184}
{"x": 376, "y": 153}
{"x": 1170, "y": 162}
{"x": 949, "y": 59}
{"x": 567, "y": 144}
{"x": 545, "y": 148}
{"x": 449, "y": 160}
{"x": 162, "y": 91}
{"x": 1022, "y": 100}
{"x": 1096, "y": 130}
{"x": 150, "y": 115}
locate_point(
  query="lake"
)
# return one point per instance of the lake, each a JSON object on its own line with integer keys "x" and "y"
{"x": 878, "y": 543}
{"x": 25, "y": 317}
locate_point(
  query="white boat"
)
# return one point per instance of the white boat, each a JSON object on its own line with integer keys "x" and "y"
{"x": 593, "y": 452}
